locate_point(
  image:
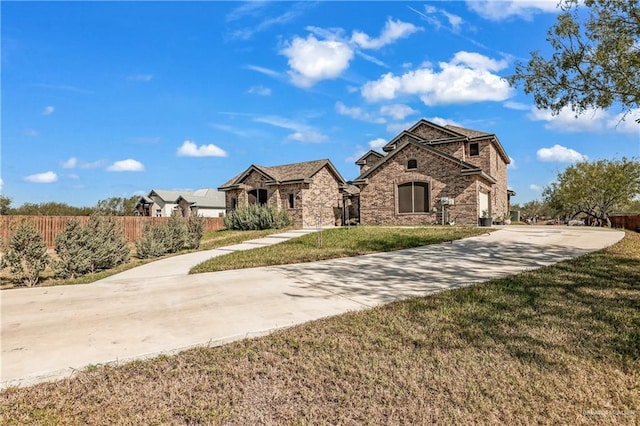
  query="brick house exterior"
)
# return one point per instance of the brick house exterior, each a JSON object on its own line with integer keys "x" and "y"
{"x": 311, "y": 192}
{"x": 429, "y": 163}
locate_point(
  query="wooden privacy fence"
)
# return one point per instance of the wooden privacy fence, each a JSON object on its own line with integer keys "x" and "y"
{"x": 51, "y": 226}
{"x": 627, "y": 221}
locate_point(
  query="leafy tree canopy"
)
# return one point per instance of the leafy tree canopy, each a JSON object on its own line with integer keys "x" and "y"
{"x": 596, "y": 189}
{"x": 596, "y": 59}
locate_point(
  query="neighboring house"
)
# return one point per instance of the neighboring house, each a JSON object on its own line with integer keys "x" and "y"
{"x": 161, "y": 203}
{"x": 431, "y": 169}
{"x": 311, "y": 192}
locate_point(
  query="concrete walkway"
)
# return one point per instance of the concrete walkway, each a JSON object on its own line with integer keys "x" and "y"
{"x": 50, "y": 332}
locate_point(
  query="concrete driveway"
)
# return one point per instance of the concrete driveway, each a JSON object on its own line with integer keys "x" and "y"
{"x": 48, "y": 333}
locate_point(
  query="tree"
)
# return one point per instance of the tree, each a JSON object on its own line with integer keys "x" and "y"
{"x": 596, "y": 59}
{"x": 595, "y": 189}
{"x": 532, "y": 210}
{"x": 50, "y": 209}
{"x": 118, "y": 206}
{"x": 5, "y": 205}
{"x": 26, "y": 254}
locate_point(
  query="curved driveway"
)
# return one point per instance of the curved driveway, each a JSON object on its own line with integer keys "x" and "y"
{"x": 50, "y": 332}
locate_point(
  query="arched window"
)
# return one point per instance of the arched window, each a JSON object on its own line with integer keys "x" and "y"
{"x": 257, "y": 196}
{"x": 412, "y": 164}
{"x": 413, "y": 197}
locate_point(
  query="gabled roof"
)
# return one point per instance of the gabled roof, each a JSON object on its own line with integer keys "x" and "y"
{"x": 362, "y": 160}
{"x": 208, "y": 196}
{"x": 467, "y": 132}
{"x": 166, "y": 195}
{"x": 287, "y": 173}
{"x": 455, "y": 133}
{"x": 391, "y": 145}
{"x": 210, "y": 199}
{"x": 465, "y": 168}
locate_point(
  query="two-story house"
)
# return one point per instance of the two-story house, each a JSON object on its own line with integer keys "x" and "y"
{"x": 434, "y": 174}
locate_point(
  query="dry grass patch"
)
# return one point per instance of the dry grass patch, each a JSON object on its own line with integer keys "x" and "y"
{"x": 559, "y": 345}
{"x": 335, "y": 243}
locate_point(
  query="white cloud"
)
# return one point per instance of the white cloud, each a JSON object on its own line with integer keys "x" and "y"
{"x": 1, "y": 185}
{"x": 140, "y": 77}
{"x": 592, "y": 120}
{"x": 128, "y": 165}
{"x": 560, "y": 154}
{"x": 312, "y": 136}
{"x": 377, "y": 143}
{"x": 301, "y": 131}
{"x": 263, "y": 70}
{"x": 190, "y": 149}
{"x": 454, "y": 20}
{"x": 312, "y": 60}
{"x": 48, "y": 110}
{"x": 259, "y": 90}
{"x": 466, "y": 78}
{"x": 73, "y": 162}
{"x": 392, "y": 31}
{"x": 477, "y": 61}
{"x": 358, "y": 113}
{"x": 512, "y": 165}
{"x": 360, "y": 151}
{"x": 443, "y": 121}
{"x": 70, "y": 163}
{"x": 535, "y": 188}
{"x": 46, "y": 177}
{"x": 499, "y": 10}
{"x": 516, "y": 105}
{"x": 397, "y": 111}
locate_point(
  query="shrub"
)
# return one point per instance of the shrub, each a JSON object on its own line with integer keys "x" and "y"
{"x": 195, "y": 230}
{"x": 74, "y": 253}
{"x": 107, "y": 242}
{"x": 153, "y": 242}
{"x": 256, "y": 217}
{"x": 176, "y": 233}
{"x": 26, "y": 254}
{"x": 99, "y": 244}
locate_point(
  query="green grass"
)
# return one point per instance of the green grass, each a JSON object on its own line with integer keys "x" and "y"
{"x": 335, "y": 243}
{"x": 557, "y": 345}
{"x": 226, "y": 237}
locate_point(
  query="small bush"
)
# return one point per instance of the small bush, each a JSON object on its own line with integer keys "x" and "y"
{"x": 256, "y": 217}
{"x": 176, "y": 233}
{"x": 153, "y": 242}
{"x": 73, "y": 250}
{"x": 98, "y": 245}
{"x": 26, "y": 255}
{"x": 107, "y": 242}
{"x": 195, "y": 230}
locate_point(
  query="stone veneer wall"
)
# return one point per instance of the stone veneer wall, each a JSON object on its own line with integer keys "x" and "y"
{"x": 320, "y": 200}
{"x": 378, "y": 203}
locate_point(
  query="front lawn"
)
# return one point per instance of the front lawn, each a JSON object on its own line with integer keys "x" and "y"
{"x": 335, "y": 243}
{"x": 557, "y": 345}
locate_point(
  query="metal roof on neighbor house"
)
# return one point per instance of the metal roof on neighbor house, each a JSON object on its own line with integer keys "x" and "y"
{"x": 208, "y": 198}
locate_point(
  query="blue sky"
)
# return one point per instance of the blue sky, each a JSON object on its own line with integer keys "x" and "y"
{"x": 112, "y": 99}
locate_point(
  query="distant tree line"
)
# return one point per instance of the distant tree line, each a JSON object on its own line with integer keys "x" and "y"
{"x": 116, "y": 206}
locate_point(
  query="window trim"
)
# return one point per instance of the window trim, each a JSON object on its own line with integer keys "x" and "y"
{"x": 476, "y": 144}
{"x": 257, "y": 196}
{"x": 409, "y": 164}
{"x": 427, "y": 186}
